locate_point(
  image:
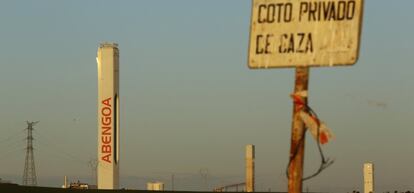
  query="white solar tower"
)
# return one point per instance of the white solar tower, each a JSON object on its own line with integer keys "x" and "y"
{"x": 108, "y": 116}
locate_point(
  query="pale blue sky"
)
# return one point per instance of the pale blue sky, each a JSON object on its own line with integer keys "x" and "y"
{"x": 188, "y": 99}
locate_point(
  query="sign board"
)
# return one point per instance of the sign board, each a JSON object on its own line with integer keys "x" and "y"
{"x": 292, "y": 33}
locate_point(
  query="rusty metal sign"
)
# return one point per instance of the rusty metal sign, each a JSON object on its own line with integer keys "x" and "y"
{"x": 292, "y": 33}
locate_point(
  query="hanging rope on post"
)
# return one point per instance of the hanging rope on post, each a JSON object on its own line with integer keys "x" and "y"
{"x": 317, "y": 128}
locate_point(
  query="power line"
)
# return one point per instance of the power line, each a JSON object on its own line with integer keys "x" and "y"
{"x": 11, "y": 137}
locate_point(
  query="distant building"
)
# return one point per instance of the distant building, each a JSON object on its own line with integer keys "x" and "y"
{"x": 80, "y": 185}
{"x": 368, "y": 178}
{"x": 155, "y": 186}
{"x": 4, "y": 181}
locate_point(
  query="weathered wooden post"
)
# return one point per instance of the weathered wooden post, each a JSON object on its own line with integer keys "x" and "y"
{"x": 297, "y": 141}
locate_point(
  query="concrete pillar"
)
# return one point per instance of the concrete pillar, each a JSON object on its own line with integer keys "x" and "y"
{"x": 65, "y": 183}
{"x": 250, "y": 168}
{"x": 368, "y": 178}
